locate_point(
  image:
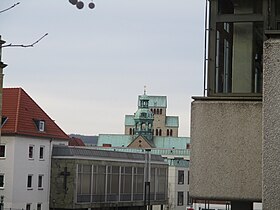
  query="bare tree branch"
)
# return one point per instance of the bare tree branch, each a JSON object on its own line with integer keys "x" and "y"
{"x": 10, "y": 7}
{"x": 28, "y": 45}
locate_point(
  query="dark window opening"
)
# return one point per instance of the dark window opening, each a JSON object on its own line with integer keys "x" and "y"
{"x": 29, "y": 181}
{"x": 180, "y": 199}
{"x": 181, "y": 176}
{"x": 4, "y": 120}
{"x": 2, "y": 151}
{"x": 239, "y": 6}
{"x": 1, "y": 180}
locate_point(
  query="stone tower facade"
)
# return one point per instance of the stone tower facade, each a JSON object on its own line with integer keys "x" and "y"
{"x": 163, "y": 125}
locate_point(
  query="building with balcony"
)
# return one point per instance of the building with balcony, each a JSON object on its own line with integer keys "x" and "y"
{"x": 234, "y": 125}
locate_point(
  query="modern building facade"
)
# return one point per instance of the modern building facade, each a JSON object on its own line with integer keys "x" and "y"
{"x": 28, "y": 135}
{"x": 229, "y": 122}
{"x": 88, "y": 178}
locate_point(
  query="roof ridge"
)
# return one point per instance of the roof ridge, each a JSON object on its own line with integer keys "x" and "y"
{"x": 18, "y": 105}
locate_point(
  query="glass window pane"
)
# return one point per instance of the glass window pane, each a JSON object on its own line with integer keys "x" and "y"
{"x": 239, "y": 6}
{"x": 2, "y": 150}
{"x": 239, "y": 57}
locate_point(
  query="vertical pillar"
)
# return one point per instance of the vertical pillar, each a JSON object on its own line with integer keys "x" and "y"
{"x": 271, "y": 124}
{"x": 2, "y": 66}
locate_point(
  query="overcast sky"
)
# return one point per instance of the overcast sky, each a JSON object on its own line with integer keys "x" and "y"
{"x": 88, "y": 72}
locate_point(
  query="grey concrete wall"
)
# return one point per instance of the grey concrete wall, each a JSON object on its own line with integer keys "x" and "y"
{"x": 226, "y": 150}
{"x": 271, "y": 125}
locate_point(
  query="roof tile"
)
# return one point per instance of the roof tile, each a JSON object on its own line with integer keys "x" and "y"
{"x": 21, "y": 111}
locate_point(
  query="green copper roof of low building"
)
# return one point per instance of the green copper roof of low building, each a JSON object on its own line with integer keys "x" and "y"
{"x": 164, "y": 142}
{"x": 115, "y": 140}
{"x": 172, "y": 121}
{"x": 156, "y": 101}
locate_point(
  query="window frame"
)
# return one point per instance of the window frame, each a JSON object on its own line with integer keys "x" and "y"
{"x": 181, "y": 173}
{"x": 39, "y": 206}
{"x": 213, "y": 19}
{"x": 180, "y": 198}
{"x": 42, "y": 155}
{"x": 41, "y": 125}
{"x": 3, "y": 145}
{"x": 41, "y": 181}
{"x": 3, "y": 185}
{"x": 28, "y": 206}
{"x": 31, "y": 155}
{"x": 29, "y": 182}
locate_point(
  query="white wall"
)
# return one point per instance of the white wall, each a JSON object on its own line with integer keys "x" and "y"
{"x": 17, "y": 166}
{"x": 174, "y": 187}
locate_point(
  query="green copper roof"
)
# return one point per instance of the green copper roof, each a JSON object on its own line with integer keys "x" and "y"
{"x": 129, "y": 120}
{"x": 156, "y": 101}
{"x": 164, "y": 142}
{"x": 168, "y": 142}
{"x": 172, "y": 121}
{"x": 116, "y": 140}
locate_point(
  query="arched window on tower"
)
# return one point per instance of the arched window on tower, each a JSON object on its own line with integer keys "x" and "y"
{"x": 159, "y": 132}
{"x": 156, "y": 132}
{"x": 167, "y": 132}
{"x": 160, "y": 111}
{"x": 171, "y": 132}
{"x": 133, "y": 131}
{"x": 157, "y": 111}
{"x": 130, "y": 131}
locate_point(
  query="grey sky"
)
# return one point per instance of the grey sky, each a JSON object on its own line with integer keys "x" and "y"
{"x": 88, "y": 72}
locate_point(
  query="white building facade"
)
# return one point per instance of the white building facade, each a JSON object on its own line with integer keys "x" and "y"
{"x": 25, "y": 152}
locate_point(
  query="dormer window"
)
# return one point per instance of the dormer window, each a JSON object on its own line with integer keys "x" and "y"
{"x": 40, "y": 124}
{"x": 4, "y": 120}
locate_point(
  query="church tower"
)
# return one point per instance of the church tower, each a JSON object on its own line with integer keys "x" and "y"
{"x": 143, "y": 118}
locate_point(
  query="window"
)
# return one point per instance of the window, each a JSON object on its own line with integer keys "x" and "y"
{"x": 29, "y": 181}
{"x": 2, "y": 181}
{"x": 4, "y": 120}
{"x": 40, "y": 181}
{"x": 167, "y": 132}
{"x": 189, "y": 200}
{"x": 180, "y": 199}
{"x": 31, "y": 151}
{"x": 2, "y": 151}
{"x": 181, "y": 177}
{"x": 28, "y": 206}
{"x": 41, "y": 152}
{"x": 39, "y": 206}
{"x": 41, "y": 125}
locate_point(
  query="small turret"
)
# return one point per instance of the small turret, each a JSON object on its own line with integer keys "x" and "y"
{"x": 144, "y": 118}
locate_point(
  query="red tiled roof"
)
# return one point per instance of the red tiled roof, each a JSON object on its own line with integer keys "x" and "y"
{"x": 76, "y": 142}
{"x": 22, "y": 112}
